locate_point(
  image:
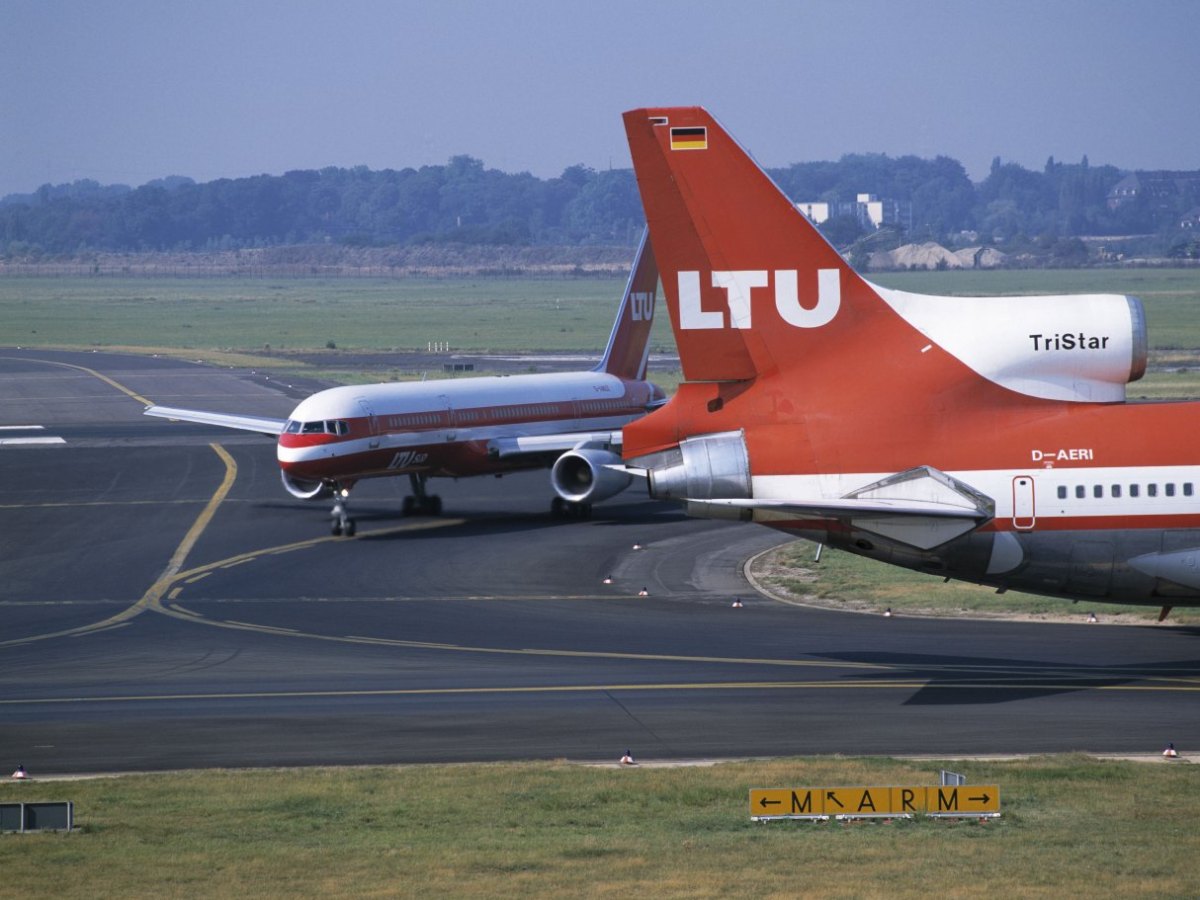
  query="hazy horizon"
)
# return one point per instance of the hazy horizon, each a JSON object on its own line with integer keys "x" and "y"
{"x": 131, "y": 92}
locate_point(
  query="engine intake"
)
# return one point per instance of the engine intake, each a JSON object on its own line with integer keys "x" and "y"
{"x": 304, "y": 489}
{"x": 582, "y": 475}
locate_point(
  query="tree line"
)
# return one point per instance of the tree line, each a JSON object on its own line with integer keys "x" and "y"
{"x": 465, "y": 202}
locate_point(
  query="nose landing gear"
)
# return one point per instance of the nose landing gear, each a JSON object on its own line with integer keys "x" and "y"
{"x": 342, "y": 523}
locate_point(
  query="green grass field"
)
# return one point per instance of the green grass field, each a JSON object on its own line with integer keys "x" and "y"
{"x": 472, "y": 314}
{"x": 1070, "y": 827}
{"x": 249, "y": 314}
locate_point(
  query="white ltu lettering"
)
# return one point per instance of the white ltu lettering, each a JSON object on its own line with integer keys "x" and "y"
{"x": 691, "y": 316}
{"x": 737, "y": 292}
{"x": 738, "y": 286}
{"x": 787, "y": 298}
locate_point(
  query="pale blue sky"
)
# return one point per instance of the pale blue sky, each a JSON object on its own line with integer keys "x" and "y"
{"x": 131, "y": 90}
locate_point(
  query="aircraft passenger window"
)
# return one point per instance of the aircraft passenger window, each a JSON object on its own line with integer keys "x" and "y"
{"x": 1062, "y": 492}
{"x": 1080, "y": 491}
{"x": 1116, "y": 490}
{"x": 1152, "y": 490}
{"x": 1133, "y": 490}
{"x": 1170, "y": 489}
{"x": 1187, "y": 489}
{"x": 1097, "y": 491}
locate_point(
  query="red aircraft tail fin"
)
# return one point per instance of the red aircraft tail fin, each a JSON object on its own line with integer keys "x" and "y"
{"x": 752, "y": 287}
{"x": 629, "y": 343}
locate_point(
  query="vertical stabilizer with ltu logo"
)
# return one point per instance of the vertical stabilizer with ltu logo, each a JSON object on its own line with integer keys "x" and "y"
{"x": 628, "y": 349}
{"x": 752, "y": 287}
{"x": 757, "y": 297}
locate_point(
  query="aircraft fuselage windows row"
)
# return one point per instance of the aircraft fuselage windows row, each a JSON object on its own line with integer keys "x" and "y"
{"x": 1135, "y": 490}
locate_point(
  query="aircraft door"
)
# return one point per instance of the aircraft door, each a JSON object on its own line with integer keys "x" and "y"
{"x": 448, "y": 406}
{"x": 1024, "y": 506}
{"x": 372, "y": 422}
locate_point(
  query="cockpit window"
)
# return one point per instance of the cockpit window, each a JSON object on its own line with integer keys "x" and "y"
{"x": 327, "y": 426}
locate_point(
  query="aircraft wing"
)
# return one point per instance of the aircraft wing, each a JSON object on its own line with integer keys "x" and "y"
{"x": 918, "y": 523}
{"x": 259, "y": 424}
{"x": 921, "y": 507}
{"x": 523, "y": 445}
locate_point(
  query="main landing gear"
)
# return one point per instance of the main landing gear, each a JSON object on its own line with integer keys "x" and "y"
{"x": 420, "y": 503}
{"x": 568, "y": 509}
{"x": 342, "y": 523}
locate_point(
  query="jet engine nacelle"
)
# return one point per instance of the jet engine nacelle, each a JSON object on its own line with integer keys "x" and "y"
{"x": 582, "y": 475}
{"x": 1083, "y": 348}
{"x": 305, "y": 490}
{"x": 706, "y": 467}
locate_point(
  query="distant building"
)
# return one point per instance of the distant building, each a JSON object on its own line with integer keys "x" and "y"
{"x": 871, "y": 211}
{"x": 1161, "y": 188}
{"x": 817, "y": 213}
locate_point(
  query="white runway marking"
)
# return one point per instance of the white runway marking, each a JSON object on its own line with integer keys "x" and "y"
{"x": 28, "y": 441}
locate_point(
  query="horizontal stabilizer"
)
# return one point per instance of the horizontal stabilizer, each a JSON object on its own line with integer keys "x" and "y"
{"x": 259, "y": 424}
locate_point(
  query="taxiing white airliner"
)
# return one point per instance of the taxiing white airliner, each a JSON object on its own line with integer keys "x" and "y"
{"x": 472, "y": 426}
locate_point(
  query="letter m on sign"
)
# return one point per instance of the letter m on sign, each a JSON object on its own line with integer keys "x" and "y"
{"x": 947, "y": 799}
{"x": 802, "y": 806}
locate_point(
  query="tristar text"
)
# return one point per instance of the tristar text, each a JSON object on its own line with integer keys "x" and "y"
{"x": 1079, "y": 341}
{"x": 738, "y": 285}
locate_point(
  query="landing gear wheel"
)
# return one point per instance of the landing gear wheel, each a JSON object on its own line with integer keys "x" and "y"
{"x": 569, "y": 509}
{"x": 342, "y": 523}
{"x": 433, "y": 505}
{"x": 410, "y": 505}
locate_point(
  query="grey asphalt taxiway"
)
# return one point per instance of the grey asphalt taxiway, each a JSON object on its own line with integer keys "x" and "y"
{"x": 164, "y": 604}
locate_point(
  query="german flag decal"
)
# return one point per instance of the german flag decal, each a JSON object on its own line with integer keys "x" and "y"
{"x": 689, "y": 138}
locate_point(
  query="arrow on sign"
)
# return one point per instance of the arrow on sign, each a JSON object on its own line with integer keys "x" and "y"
{"x": 984, "y": 799}
{"x": 829, "y": 795}
{"x": 764, "y": 802}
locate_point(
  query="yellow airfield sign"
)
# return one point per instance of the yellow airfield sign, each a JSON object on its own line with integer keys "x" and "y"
{"x": 857, "y": 802}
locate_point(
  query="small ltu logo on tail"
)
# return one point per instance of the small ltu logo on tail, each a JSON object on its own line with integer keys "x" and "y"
{"x": 643, "y": 305}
